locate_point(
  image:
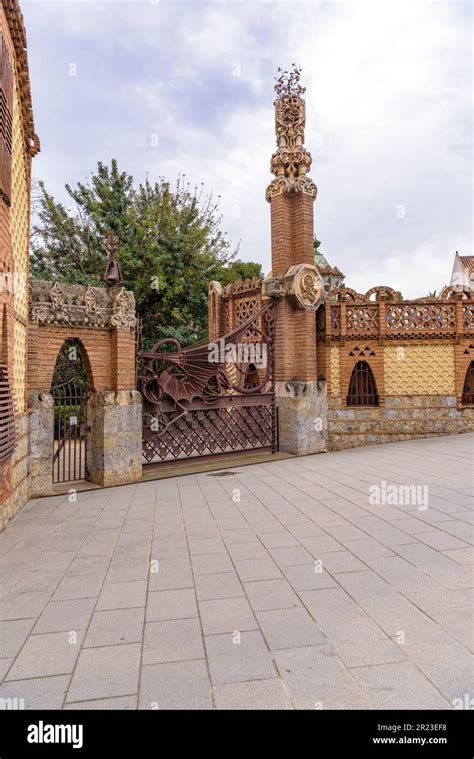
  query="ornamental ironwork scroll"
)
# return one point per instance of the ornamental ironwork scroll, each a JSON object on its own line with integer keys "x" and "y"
{"x": 212, "y": 398}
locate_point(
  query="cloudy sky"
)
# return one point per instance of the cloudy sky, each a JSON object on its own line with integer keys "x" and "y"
{"x": 171, "y": 86}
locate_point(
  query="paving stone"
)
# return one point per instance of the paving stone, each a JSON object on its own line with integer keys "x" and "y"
{"x": 422, "y": 590}
{"x": 271, "y": 594}
{"x": 391, "y": 536}
{"x": 231, "y": 662}
{"x": 257, "y": 569}
{"x": 289, "y": 628}
{"x": 444, "y": 661}
{"x": 114, "y": 627}
{"x": 279, "y": 539}
{"x": 315, "y": 676}
{"x": 105, "y": 672}
{"x": 88, "y": 565}
{"x": 212, "y": 563}
{"x": 355, "y": 637}
{"x": 458, "y": 623}
{"x": 440, "y": 540}
{"x": 368, "y": 549}
{"x": 122, "y": 595}
{"x": 171, "y": 604}
{"x": 13, "y": 634}
{"x": 238, "y": 536}
{"x": 434, "y": 563}
{"x": 412, "y": 525}
{"x": 175, "y": 685}
{"x": 346, "y": 532}
{"x": 463, "y": 556}
{"x": 398, "y": 686}
{"x": 23, "y": 605}
{"x": 341, "y": 561}
{"x": 212, "y": 545}
{"x": 120, "y": 702}
{"x": 65, "y": 615}
{"x": 42, "y": 693}
{"x": 224, "y": 585}
{"x": 385, "y": 605}
{"x": 171, "y": 577}
{"x": 80, "y": 586}
{"x": 317, "y": 546}
{"x": 132, "y": 572}
{"x": 226, "y": 615}
{"x": 173, "y": 640}
{"x": 306, "y": 577}
{"x": 248, "y": 551}
{"x": 47, "y": 654}
{"x": 256, "y": 694}
{"x": 291, "y": 556}
{"x": 5, "y": 665}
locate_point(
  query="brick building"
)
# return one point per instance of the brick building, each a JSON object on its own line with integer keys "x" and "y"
{"x": 356, "y": 369}
{"x": 18, "y": 145}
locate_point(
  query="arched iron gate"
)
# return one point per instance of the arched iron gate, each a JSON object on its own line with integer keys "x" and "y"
{"x": 211, "y": 399}
{"x": 70, "y": 390}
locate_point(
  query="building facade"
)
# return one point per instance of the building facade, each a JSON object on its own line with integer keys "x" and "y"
{"x": 18, "y": 145}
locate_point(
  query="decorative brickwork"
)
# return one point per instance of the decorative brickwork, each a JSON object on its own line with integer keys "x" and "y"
{"x": 14, "y": 237}
{"x": 419, "y": 369}
{"x": 335, "y": 374}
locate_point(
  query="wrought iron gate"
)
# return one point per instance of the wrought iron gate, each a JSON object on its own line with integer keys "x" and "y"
{"x": 70, "y": 390}
{"x": 211, "y": 399}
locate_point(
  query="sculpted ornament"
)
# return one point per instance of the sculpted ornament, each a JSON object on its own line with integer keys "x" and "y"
{"x": 304, "y": 286}
{"x": 78, "y": 305}
{"x": 291, "y": 161}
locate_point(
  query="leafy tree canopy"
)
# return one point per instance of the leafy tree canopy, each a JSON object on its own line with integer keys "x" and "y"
{"x": 170, "y": 246}
{"x": 240, "y": 270}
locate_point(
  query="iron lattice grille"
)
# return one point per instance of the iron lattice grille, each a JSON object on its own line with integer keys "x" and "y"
{"x": 362, "y": 390}
{"x": 7, "y": 416}
{"x": 70, "y": 390}
{"x": 197, "y": 406}
{"x": 204, "y": 432}
{"x": 468, "y": 389}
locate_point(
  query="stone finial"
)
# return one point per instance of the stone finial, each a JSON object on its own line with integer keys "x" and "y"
{"x": 112, "y": 276}
{"x": 291, "y": 161}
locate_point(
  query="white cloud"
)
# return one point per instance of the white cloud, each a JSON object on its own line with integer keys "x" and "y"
{"x": 388, "y": 115}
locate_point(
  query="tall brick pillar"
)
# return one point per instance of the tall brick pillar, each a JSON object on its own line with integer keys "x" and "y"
{"x": 295, "y": 279}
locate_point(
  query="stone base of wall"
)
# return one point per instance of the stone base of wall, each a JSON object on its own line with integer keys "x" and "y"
{"x": 114, "y": 442}
{"x": 402, "y": 418}
{"x": 302, "y": 417}
{"x": 41, "y": 407}
{"x": 19, "y": 490}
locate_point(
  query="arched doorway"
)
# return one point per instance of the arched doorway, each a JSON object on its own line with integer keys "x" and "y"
{"x": 71, "y": 390}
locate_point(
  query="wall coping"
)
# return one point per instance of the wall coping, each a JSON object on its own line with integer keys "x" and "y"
{"x": 80, "y": 305}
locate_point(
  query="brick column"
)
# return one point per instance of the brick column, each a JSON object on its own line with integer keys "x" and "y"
{"x": 301, "y": 403}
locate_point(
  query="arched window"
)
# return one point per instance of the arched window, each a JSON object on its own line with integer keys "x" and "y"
{"x": 468, "y": 389}
{"x": 362, "y": 388}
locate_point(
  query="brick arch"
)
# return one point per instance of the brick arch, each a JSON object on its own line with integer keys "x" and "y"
{"x": 355, "y": 351}
{"x": 85, "y": 357}
{"x": 98, "y": 347}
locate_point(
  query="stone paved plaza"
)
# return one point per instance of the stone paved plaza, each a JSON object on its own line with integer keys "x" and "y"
{"x": 281, "y": 586}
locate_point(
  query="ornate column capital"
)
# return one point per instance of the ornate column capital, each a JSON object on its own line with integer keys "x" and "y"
{"x": 291, "y": 162}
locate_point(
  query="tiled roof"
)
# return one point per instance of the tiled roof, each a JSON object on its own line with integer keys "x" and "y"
{"x": 18, "y": 34}
{"x": 468, "y": 262}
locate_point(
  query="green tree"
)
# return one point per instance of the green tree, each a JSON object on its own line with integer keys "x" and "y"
{"x": 170, "y": 246}
{"x": 240, "y": 270}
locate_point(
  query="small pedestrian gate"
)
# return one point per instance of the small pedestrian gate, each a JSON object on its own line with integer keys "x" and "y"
{"x": 70, "y": 390}
{"x": 212, "y": 399}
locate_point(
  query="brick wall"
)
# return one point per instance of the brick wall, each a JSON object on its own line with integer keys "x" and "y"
{"x": 109, "y": 355}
